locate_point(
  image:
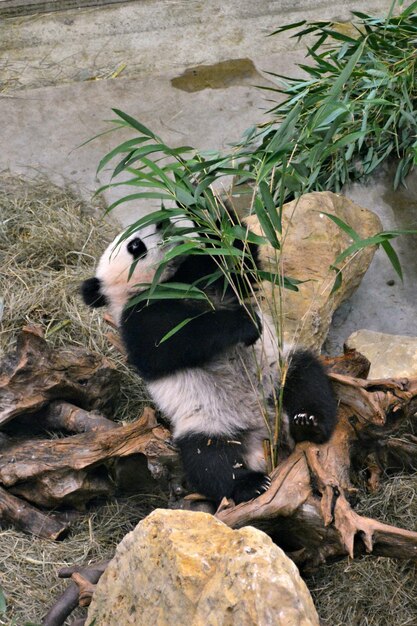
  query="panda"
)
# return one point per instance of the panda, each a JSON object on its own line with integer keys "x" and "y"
{"x": 217, "y": 378}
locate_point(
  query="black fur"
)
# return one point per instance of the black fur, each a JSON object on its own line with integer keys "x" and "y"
{"x": 214, "y": 466}
{"x": 309, "y": 399}
{"x": 91, "y": 293}
{"x": 208, "y": 333}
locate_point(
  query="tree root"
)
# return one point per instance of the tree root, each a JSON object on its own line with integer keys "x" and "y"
{"x": 78, "y": 593}
{"x": 309, "y": 504}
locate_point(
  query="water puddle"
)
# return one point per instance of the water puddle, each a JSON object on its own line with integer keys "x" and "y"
{"x": 217, "y": 76}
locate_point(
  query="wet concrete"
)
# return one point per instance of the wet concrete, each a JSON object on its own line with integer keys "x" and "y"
{"x": 383, "y": 301}
{"x": 186, "y": 69}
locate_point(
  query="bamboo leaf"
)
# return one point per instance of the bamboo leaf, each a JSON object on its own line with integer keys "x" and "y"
{"x": 270, "y": 207}
{"x": 123, "y": 147}
{"x": 343, "y": 226}
{"x": 337, "y": 281}
{"x": 178, "y": 327}
{"x": 167, "y": 291}
{"x": 393, "y": 257}
{"x": 138, "y": 196}
{"x": 346, "y": 72}
{"x": 130, "y": 121}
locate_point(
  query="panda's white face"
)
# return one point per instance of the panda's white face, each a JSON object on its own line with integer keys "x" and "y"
{"x": 112, "y": 285}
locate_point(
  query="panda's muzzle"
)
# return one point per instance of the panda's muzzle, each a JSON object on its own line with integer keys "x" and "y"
{"x": 91, "y": 293}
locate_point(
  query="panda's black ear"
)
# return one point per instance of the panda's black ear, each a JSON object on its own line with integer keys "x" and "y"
{"x": 91, "y": 293}
{"x": 164, "y": 225}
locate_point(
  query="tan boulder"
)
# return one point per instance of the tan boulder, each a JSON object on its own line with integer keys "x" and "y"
{"x": 391, "y": 356}
{"x": 185, "y": 568}
{"x": 311, "y": 243}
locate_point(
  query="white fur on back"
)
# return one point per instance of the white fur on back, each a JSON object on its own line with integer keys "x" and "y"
{"x": 226, "y": 396}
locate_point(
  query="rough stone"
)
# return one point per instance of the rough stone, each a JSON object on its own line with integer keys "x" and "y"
{"x": 311, "y": 243}
{"x": 179, "y": 567}
{"x": 391, "y": 356}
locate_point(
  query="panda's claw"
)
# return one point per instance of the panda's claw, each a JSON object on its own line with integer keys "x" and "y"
{"x": 300, "y": 419}
{"x": 250, "y": 485}
{"x": 306, "y": 426}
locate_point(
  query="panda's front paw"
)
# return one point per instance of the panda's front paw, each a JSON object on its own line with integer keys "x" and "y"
{"x": 306, "y": 426}
{"x": 250, "y": 331}
{"x": 250, "y": 485}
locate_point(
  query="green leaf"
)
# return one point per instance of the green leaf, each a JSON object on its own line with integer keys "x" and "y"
{"x": 278, "y": 279}
{"x": 168, "y": 291}
{"x": 270, "y": 207}
{"x": 130, "y": 121}
{"x": 412, "y": 8}
{"x": 266, "y": 224}
{"x": 244, "y": 234}
{"x": 183, "y": 196}
{"x": 138, "y": 196}
{"x": 291, "y": 283}
{"x": 178, "y": 327}
{"x": 123, "y": 147}
{"x": 286, "y": 130}
{"x": 337, "y": 281}
{"x": 329, "y": 112}
{"x": 393, "y": 257}
{"x": 281, "y": 29}
{"x": 348, "y": 139}
{"x": 159, "y": 172}
{"x": 346, "y": 72}
{"x": 362, "y": 243}
{"x": 201, "y": 187}
{"x": 156, "y": 217}
{"x": 342, "y": 225}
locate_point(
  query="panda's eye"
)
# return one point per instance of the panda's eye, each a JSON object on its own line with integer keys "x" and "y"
{"x": 137, "y": 248}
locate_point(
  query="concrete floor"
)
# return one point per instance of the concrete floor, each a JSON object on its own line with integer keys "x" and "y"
{"x": 62, "y": 73}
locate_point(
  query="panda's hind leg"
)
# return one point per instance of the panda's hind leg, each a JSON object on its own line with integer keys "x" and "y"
{"x": 308, "y": 399}
{"x": 215, "y": 467}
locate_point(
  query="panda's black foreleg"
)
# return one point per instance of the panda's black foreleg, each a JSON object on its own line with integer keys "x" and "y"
{"x": 214, "y": 467}
{"x": 205, "y": 334}
{"x": 309, "y": 399}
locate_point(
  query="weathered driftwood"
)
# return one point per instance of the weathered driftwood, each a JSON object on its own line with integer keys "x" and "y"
{"x": 41, "y": 390}
{"x": 36, "y": 374}
{"x": 61, "y": 415}
{"x": 308, "y": 508}
{"x": 79, "y": 592}
{"x": 72, "y": 470}
{"x": 22, "y": 515}
{"x": 308, "y": 504}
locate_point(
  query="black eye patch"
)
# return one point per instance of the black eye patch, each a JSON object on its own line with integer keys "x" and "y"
{"x": 137, "y": 248}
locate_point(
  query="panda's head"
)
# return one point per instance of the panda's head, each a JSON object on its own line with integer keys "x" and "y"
{"x": 116, "y": 279}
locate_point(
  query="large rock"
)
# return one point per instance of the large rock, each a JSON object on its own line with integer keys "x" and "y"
{"x": 391, "y": 356}
{"x": 311, "y": 244}
{"x": 179, "y": 567}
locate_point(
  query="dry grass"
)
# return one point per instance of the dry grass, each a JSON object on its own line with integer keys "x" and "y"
{"x": 29, "y": 566}
{"x": 49, "y": 242}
